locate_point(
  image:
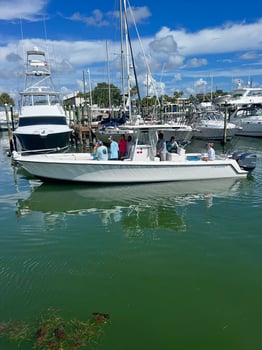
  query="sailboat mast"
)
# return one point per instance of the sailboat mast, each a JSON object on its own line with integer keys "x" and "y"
{"x": 108, "y": 76}
{"x": 134, "y": 67}
{"x": 122, "y": 54}
{"x": 127, "y": 61}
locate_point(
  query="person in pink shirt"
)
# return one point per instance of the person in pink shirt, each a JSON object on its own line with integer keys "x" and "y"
{"x": 122, "y": 147}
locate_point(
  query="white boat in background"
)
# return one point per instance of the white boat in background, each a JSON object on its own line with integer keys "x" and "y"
{"x": 181, "y": 132}
{"x": 242, "y": 96}
{"x": 249, "y": 119}
{"x": 104, "y": 134}
{"x": 8, "y": 119}
{"x": 143, "y": 166}
{"x": 42, "y": 123}
{"x": 3, "y": 121}
{"x": 211, "y": 125}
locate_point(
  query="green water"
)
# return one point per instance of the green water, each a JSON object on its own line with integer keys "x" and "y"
{"x": 176, "y": 267}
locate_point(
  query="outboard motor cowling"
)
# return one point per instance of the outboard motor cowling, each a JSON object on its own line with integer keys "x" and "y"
{"x": 246, "y": 160}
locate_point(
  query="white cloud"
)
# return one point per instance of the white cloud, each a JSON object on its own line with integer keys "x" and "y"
{"x": 200, "y": 82}
{"x": 102, "y": 19}
{"x": 197, "y": 62}
{"x": 224, "y": 39}
{"x": 181, "y": 53}
{"x": 250, "y": 55}
{"x": 165, "y": 44}
{"x": 139, "y": 14}
{"x": 97, "y": 19}
{"x": 175, "y": 61}
{"x": 23, "y": 9}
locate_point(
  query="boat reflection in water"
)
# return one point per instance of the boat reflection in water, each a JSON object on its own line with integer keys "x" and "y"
{"x": 136, "y": 206}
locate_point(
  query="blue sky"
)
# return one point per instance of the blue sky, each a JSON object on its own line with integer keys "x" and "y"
{"x": 190, "y": 46}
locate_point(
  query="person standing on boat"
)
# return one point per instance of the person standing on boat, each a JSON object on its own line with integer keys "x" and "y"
{"x": 161, "y": 147}
{"x": 113, "y": 149}
{"x": 122, "y": 146}
{"x": 101, "y": 151}
{"x": 129, "y": 145}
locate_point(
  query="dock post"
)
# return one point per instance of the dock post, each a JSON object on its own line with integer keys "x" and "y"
{"x": 10, "y": 136}
{"x": 225, "y": 127}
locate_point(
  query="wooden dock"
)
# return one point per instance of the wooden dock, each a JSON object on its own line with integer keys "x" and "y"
{"x": 83, "y": 134}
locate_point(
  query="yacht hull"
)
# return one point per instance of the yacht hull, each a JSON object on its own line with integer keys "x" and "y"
{"x": 43, "y": 142}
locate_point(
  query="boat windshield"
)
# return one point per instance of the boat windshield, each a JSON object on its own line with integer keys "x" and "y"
{"x": 238, "y": 93}
{"x": 255, "y": 93}
{"x": 241, "y": 92}
{"x": 32, "y": 99}
{"x": 42, "y": 120}
{"x": 212, "y": 116}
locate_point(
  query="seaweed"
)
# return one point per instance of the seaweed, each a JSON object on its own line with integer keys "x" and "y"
{"x": 52, "y": 332}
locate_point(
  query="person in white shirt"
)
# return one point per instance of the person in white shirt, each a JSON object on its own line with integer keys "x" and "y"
{"x": 211, "y": 154}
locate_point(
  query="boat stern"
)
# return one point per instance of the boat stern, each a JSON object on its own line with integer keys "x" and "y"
{"x": 246, "y": 160}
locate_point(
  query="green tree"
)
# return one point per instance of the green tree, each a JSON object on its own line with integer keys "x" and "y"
{"x": 100, "y": 95}
{"x": 178, "y": 94}
{"x": 133, "y": 91}
{"x": 6, "y": 99}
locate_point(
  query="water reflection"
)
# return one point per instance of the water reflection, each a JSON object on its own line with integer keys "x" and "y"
{"x": 150, "y": 205}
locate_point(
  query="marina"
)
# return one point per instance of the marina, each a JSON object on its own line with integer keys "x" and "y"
{"x": 130, "y": 193}
{"x": 174, "y": 267}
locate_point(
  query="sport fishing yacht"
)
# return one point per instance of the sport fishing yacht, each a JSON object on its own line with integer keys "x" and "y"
{"x": 42, "y": 124}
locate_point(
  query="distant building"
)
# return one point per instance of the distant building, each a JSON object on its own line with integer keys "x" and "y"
{"x": 73, "y": 99}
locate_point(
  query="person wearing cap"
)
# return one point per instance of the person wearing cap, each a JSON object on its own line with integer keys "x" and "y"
{"x": 113, "y": 149}
{"x": 101, "y": 151}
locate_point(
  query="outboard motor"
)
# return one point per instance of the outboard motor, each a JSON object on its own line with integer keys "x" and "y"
{"x": 246, "y": 160}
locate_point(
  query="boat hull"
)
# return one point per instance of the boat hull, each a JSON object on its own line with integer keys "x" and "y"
{"x": 214, "y": 130}
{"x": 249, "y": 121}
{"x": 75, "y": 167}
{"x": 251, "y": 128}
{"x": 205, "y": 133}
{"x": 43, "y": 142}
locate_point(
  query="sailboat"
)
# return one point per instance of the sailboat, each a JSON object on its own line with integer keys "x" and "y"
{"x": 115, "y": 127}
{"x": 42, "y": 124}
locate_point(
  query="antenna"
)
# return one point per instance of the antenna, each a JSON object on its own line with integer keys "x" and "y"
{"x": 22, "y": 36}
{"x": 45, "y": 36}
